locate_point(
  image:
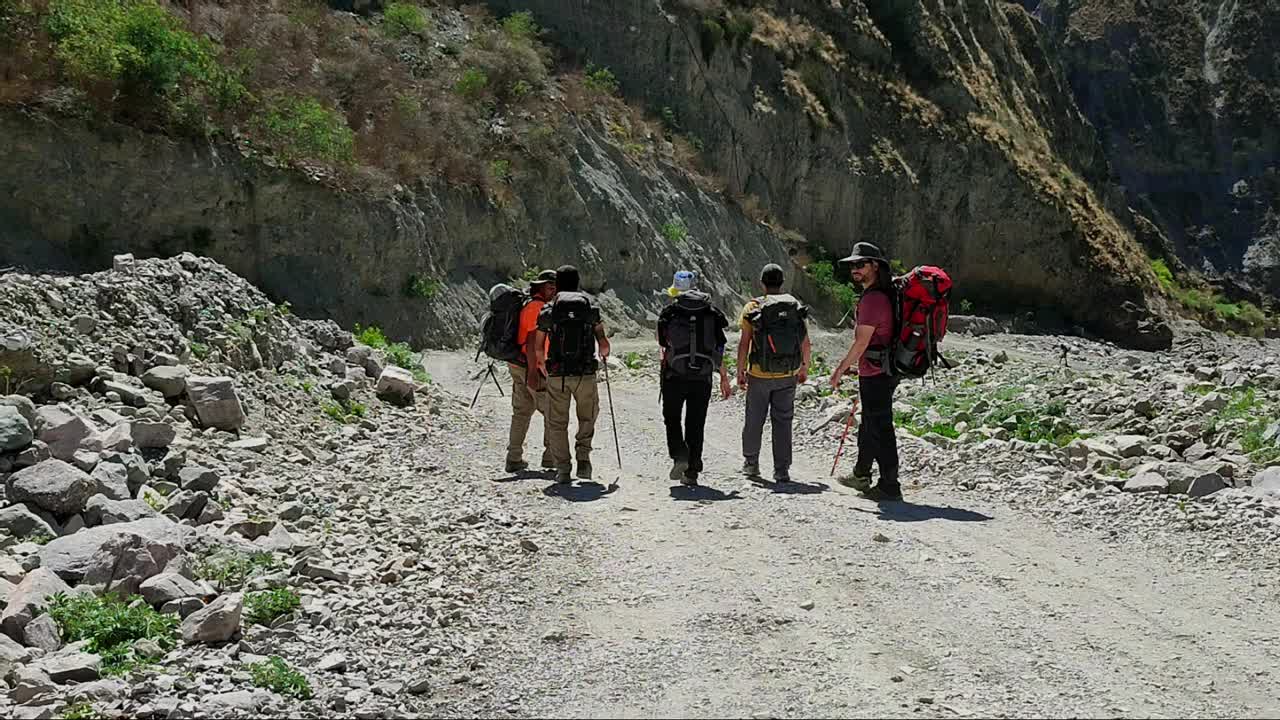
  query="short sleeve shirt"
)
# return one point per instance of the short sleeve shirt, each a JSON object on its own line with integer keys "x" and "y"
{"x": 875, "y": 310}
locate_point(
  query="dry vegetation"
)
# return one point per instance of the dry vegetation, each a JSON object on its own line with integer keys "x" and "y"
{"x": 422, "y": 91}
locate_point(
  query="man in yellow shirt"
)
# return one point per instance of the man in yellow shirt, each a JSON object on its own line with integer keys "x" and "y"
{"x": 773, "y": 358}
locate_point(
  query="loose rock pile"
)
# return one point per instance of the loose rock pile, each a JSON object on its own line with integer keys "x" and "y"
{"x": 172, "y": 440}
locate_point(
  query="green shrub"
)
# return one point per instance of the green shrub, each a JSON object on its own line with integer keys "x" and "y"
{"x": 472, "y": 83}
{"x": 500, "y": 169}
{"x": 371, "y": 336}
{"x": 231, "y": 569}
{"x": 300, "y": 127}
{"x": 261, "y": 608}
{"x": 739, "y": 26}
{"x": 674, "y": 230}
{"x": 601, "y": 79}
{"x": 633, "y": 360}
{"x": 966, "y": 307}
{"x": 417, "y": 286}
{"x": 275, "y": 674}
{"x": 408, "y": 106}
{"x": 1163, "y": 274}
{"x": 521, "y": 88}
{"x": 402, "y": 18}
{"x": 823, "y": 274}
{"x": 398, "y": 354}
{"x": 111, "y": 625}
{"x": 520, "y": 26}
{"x": 80, "y": 711}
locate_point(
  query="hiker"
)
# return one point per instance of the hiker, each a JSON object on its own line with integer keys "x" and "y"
{"x": 527, "y": 389}
{"x": 773, "y": 358}
{"x": 873, "y": 334}
{"x": 569, "y": 332}
{"x": 692, "y": 340}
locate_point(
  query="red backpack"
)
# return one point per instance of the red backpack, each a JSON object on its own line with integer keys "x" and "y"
{"x": 922, "y": 300}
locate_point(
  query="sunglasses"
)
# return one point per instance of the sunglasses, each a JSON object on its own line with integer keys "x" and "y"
{"x": 861, "y": 264}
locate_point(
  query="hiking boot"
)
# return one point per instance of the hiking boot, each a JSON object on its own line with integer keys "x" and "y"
{"x": 751, "y": 469}
{"x": 548, "y": 462}
{"x": 516, "y": 465}
{"x": 564, "y": 477}
{"x": 781, "y": 476}
{"x": 678, "y": 469}
{"x": 879, "y": 494}
{"x": 690, "y": 478}
{"x": 861, "y": 483}
{"x": 584, "y": 470}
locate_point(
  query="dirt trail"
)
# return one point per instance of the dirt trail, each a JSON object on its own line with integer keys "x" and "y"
{"x": 737, "y": 599}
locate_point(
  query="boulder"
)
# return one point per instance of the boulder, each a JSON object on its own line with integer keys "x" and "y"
{"x": 217, "y": 623}
{"x": 52, "y": 485}
{"x": 30, "y": 682}
{"x": 15, "y": 430}
{"x": 20, "y": 522}
{"x": 186, "y": 504}
{"x": 77, "y": 370}
{"x": 169, "y": 381}
{"x": 25, "y": 407}
{"x": 12, "y": 655}
{"x": 62, "y": 430}
{"x": 197, "y": 478}
{"x": 396, "y": 385}
{"x": 112, "y": 479}
{"x": 215, "y": 401}
{"x": 1266, "y": 484}
{"x": 1207, "y": 484}
{"x": 28, "y": 600}
{"x": 120, "y": 556}
{"x": 101, "y": 510}
{"x": 1147, "y": 482}
{"x": 42, "y": 633}
{"x": 169, "y": 587}
{"x": 117, "y": 438}
{"x": 1130, "y": 446}
{"x": 153, "y": 435}
{"x": 76, "y": 667}
{"x": 129, "y": 394}
{"x": 972, "y": 324}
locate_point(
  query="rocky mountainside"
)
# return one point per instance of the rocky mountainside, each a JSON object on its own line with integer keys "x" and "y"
{"x": 1184, "y": 96}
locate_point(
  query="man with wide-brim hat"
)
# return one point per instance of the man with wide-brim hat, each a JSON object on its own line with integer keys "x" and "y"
{"x": 527, "y": 391}
{"x": 874, "y": 327}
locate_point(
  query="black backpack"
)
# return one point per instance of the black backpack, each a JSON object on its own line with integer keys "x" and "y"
{"x": 777, "y": 332}
{"x": 691, "y": 330}
{"x": 572, "y": 348}
{"x": 501, "y": 325}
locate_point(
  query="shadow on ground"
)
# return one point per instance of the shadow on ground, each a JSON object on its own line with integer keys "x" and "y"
{"x": 582, "y": 492}
{"x": 914, "y": 512}
{"x": 701, "y": 493}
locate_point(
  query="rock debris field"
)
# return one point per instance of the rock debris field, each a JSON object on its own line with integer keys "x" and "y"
{"x": 214, "y": 508}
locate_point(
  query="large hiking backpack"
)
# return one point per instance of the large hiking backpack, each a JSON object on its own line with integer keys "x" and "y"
{"x": 777, "y": 333}
{"x": 690, "y": 330}
{"x": 501, "y": 326}
{"x": 922, "y": 305}
{"x": 572, "y": 348}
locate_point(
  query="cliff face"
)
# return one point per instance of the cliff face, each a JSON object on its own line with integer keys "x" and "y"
{"x": 72, "y": 194}
{"x": 941, "y": 131}
{"x": 1185, "y": 95}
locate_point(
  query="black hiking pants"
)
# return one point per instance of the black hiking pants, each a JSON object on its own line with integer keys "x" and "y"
{"x": 877, "y": 442}
{"x": 693, "y": 395}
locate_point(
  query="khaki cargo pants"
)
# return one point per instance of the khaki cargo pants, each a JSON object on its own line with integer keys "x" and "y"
{"x": 584, "y": 393}
{"x": 523, "y": 404}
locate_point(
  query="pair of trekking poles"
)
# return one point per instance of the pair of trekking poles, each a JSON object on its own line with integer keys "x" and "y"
{"x": 613, "y": 421}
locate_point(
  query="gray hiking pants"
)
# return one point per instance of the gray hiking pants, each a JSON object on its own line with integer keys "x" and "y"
{"x": 776, "y": 399}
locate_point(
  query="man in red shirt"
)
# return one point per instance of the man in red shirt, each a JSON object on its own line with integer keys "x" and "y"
{"x": 873, "y": 336}
{"x": 528, "y": 393}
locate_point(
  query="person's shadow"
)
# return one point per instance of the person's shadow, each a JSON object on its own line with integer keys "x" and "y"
{"x": 526, "y": 475}
{"x": 902, "y": 511}
{"x": 790, "y": 488}
{"x": 587, "y": 491}
{"x": 701, "y": 493}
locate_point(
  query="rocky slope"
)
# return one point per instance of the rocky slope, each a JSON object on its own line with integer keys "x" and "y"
{"x": 943, "y": 131}
{"x": 492, "y": 181}
{"x": 1184, "y": 94}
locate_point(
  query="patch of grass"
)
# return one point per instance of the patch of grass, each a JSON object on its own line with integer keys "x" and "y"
{"x": 601, "y": 79}
{"x": 402, "y": 18}
{"x": 633, "y": 360}
{"x": 1163, "y": 274}
{"x": 80, "y": 711}
{"x": 345, "y": 411}
{"x": 111, "y": 625}
{"x": 334, "y": 410}
{"x": 674, "y": 230}
{"x": 262, "y": 608}
{"x": 500, "y": 169}
{"x": 275, "y": 674}
{"x": 398, "y": 353}
{"x": 739, "y": 26}
{"x": 819, "y": 366}
{"x": 40, "y": 538}
{"x": 199, "y": 350}
{"x": 231, "y": 570}
{"x": 299, "y": 127}
{"x": 416, "y": 286}
{"x": 154, "y": 502}
{"x": 966, "y": 307}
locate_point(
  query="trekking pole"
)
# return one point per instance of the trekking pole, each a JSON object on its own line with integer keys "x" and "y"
{"x": 487, "y": 373}
{"x": 847, "y": 424}
{"x": 496, "y": 384}
{"x": 612, "y": 420}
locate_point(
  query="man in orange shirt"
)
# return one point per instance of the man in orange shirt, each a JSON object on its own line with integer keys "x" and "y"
{"x": 529, "y": 393}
